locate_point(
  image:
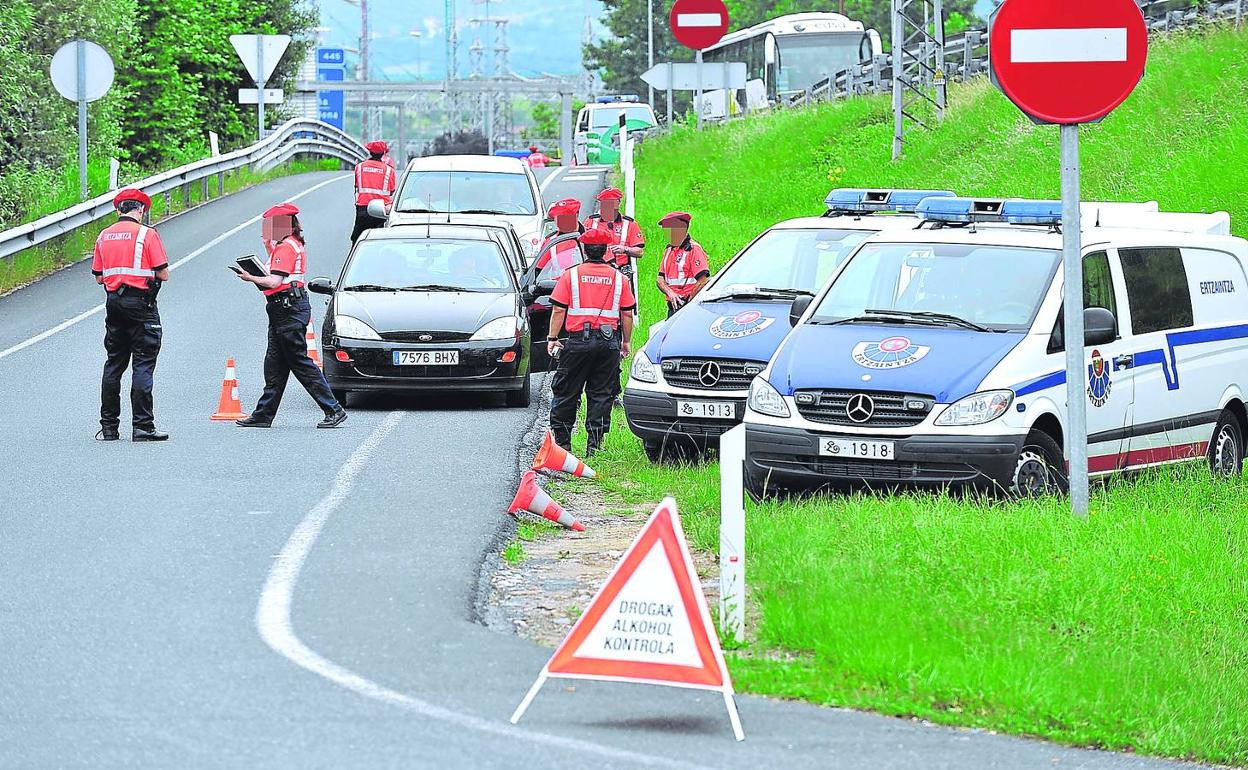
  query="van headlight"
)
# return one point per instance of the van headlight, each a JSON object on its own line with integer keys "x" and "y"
{"x": 353, "y": 328}
{"x": 765, "y": 399}
{"x": 529, "y": 242}
{"x": 499, "y": 329}
{"x": 977, "y": 408}
{"x": 643, "y": 369}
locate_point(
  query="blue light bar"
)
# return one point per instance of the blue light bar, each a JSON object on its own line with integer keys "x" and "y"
{"x": 845, "y": 200}
{"x": 616, "y": 98}
{"x": 965, "y": 210}
{"x": 1025, "y": 212}
{"x": 906, "y": 201}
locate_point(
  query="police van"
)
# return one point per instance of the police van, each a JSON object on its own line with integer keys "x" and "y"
{"x": 937, "y": 357}
{"x": 596, "y": 139}
{"x": 689, "y": 383}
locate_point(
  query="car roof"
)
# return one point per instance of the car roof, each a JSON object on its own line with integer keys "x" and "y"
{"x": 993, "y": 234}
{"x": 489, "y": 163}
{"x": 433, "y": 230}
{"x": 873, "y": 223}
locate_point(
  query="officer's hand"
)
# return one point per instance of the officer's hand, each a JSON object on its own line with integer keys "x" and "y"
{"x": 552, "y": 346}
{"x": 625, "y": 349}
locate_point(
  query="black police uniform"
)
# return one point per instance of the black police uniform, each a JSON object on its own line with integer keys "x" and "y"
{"x": 132, "y": 336}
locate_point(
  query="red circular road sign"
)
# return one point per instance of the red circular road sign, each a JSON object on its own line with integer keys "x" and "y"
{"x": 1068, "y": 61}
{"x": 699, "y": 24}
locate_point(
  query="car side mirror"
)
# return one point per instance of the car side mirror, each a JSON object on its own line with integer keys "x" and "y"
{"x": 1099, "y": 326}
{"x": 798, "y": 308}
{"x": 377, "y": 209}
{"x": 321, "y": 286}
{"x": 544, "y": 288}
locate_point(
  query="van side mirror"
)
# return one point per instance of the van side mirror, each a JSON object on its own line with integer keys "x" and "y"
{"x": 377, "y": 209}
{"x": 1099, "y": 326}
{"x": 798, "y": 308}
{"x": 321, "y": 286}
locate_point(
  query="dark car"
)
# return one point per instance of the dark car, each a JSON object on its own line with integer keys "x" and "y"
{"x": 433, "y": 308}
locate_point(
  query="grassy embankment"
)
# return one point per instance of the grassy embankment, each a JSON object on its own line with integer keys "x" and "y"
{"x": 1128, "y": 630}
{"x": 31, "y": 264}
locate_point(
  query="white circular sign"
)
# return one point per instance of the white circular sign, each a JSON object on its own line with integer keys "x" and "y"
{"x": 98, "y": 66}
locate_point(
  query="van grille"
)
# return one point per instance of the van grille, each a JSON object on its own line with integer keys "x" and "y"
{"x": 720, "y": 373}
{"x": 889, "y": 410}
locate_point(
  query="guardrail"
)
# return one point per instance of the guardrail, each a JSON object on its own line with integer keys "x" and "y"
{"x": 301, "y": 136}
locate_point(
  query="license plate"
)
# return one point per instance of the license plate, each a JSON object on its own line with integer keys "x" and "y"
{"x": 426, "y": 357}
{"x": 863, "y": 450}
{"x": 714, "y": 410}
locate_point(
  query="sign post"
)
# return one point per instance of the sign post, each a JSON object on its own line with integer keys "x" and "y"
{"x": 82, "y": 72}
{"x": 1068, "y": 62}
{"x": 698, "y": 24}
{"x": 260, "y": 55}
{"x": 732, "y": 534}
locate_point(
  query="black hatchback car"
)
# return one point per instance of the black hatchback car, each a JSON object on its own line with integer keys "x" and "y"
{"x": 433, "y": 308}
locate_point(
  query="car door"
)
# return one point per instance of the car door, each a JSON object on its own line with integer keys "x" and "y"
{"x": 536, "y": 288}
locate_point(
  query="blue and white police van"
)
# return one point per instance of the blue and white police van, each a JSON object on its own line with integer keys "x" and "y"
{"x": 936, "y": 356}
{"x": 689, "y": 383}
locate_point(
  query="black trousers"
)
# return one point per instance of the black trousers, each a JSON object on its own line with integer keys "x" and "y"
{"x": 591, "y": 365}
{"x": 364, "y": 222}
{"x": 132, "y": 335}
{"x": 287, "y": 354}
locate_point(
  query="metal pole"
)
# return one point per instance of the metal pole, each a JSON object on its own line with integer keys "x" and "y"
{"x": 403, "y": 135}
{"x": 259, "y": 87}
{"x": 566, "y": 150}
{"x": 650, "y": 44}
{"x": 81, "y": 51}
{"x": 697, "y": 98}
{"x": 1072, "y": 271}
{"x": 363, "y": 74}
{"x": 732, "y": 534}
{"x": 670, "y": 73}
{"x": 898, "y": 71}
{"x": 489, "y": 121}
{"x": 942, "y": 77}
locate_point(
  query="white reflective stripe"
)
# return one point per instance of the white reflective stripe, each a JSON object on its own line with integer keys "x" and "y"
{"x": 681, "y": 281}
{"x": 575, "y": 277}
{"x": 386, "y": 182}
{"x": 138, "y": 247}
{"x": 374, "y": 191}
{"x": 135, "y": 271}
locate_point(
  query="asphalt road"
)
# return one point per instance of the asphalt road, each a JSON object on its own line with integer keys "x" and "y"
{"x": 305, "y": 598}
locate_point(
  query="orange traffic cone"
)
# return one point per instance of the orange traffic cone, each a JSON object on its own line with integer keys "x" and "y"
{"x": 313, "y": 352}
{"x": 554, "y": 457}
{"x": 230, "y": 407}
{"x": 530, "y": 497}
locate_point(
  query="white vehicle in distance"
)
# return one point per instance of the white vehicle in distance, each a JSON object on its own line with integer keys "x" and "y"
{"x": 469, "y": 188}
{"x": 936, "y": 356}
{"x": 597, "y": 137}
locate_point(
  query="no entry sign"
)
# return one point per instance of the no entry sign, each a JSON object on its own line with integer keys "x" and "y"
{"x": 699, "y": 24}
{"x": 1068, "y": 61}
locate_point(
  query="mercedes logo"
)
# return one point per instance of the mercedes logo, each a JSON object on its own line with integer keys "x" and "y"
{"x": 860, "y": 407}
{"x": 425, "y": 338}
{"x": 709, "y": 374}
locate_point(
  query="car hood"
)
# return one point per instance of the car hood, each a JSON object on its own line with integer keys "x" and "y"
{"x": 523, "y": 223}
{"x": 729, "y": 329}
{"x": 947, "y": 364}
{"x": 448, "y": 311}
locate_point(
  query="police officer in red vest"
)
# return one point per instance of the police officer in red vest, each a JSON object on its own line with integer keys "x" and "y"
{"x": 565, "y": 213}
{"x": 374, "y": 181}
{"x": 685, "y": 268}
{"x": 627, "y": 241}
{"x": 289, "y": 314}
{"x": 130, "y": 263}
{"x": 537, "y": 158}
{"x": 593, "y": 302}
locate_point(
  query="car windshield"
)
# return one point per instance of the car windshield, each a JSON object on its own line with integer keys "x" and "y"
{"x": 802, "y": 260}
{"x": 807, "y": 59}
{"x": 427, "y": 265}
{"x": 466, "y": 192}
{"x": 606, "y": 117}
{"x": 998, "y": 287}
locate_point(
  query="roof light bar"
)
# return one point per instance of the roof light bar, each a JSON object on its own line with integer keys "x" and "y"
{"x": 1025, "y": 212}
{"x": 844, "y": 200}
{"x": 964, "y": 210}
{"x": 617, "y": 98}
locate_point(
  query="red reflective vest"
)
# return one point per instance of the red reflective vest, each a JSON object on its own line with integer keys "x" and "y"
{"x": 128, "y": 254}
{"x": 594, "y": 294}
{"x": 565, "y": 254}
{"x": 538, "y": 160}
{"x": 374, "y": 181}
{"x": 290, "y": 261}
{"x": 683, "y": 265}
{"x": 624, "y": 230}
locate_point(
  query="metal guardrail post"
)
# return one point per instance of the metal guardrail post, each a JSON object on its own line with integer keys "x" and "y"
{"x": 204, "y": 190}
{"x": 186, "y": 196}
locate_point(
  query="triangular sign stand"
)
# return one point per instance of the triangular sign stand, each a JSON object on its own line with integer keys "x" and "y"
{"x": 648, "y": 623}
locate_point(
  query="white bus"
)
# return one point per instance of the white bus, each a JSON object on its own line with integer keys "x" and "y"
{"x": 790, "y": 53}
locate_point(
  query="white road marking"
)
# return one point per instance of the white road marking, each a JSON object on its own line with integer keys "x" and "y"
{"x": 99, "y": 308}
{"x": 274, "y": 625}
{"x": 699, "y": 19}
{"x": 1052, "y": 46}
{"x": 548, "y": 181}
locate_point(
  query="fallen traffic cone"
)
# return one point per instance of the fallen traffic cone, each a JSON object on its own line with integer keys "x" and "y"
{"x": 230, "y": 407}
{"x": 313, "y": 352}
{"x": 532, "y": 498}
{"x": 554, "y": 457}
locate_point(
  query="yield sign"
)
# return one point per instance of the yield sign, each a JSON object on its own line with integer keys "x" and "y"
{"x": 698, "y": 24}
{"x": 649, "y": 622}
{"x": 260, "y": 53}
{"x": 1067, "y": 61}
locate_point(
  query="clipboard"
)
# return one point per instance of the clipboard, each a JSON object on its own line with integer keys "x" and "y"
{"x": 252, "y": 266}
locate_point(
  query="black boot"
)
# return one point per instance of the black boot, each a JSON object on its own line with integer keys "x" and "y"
{"x": 141, "y": 434}
{"x": 253, "y": 422}
{"x": 107, "y": 434}
{"x": 333, "y": 420}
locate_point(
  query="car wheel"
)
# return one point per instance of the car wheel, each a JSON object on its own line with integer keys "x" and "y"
{"x": 341, "y": 397}
{"x": 1039, "y": 468}
{"x": 520, "y": 398}
{"x": 1226, "y": 448}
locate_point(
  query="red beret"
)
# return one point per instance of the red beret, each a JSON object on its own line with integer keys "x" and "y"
{"x": 611, "y": 194}
{"x": 597, "y": 237}
{"x": 675, "y": 218}
{"x": 565, "y": 206}
{"x": 131, "y": 194}
{"x": 532, "y": 148}
{"x": 289, "y": 209}
{"x": 377, "y": 148}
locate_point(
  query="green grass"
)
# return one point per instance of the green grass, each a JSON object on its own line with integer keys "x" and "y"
{"x": 1128, "y": 630}
{"x": 34, "y": 263}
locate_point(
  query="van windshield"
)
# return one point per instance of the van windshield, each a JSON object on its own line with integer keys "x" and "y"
{"x": 466, "y": 192}
{"x": 998, "y": 287}
{"x": 789, "y": 259}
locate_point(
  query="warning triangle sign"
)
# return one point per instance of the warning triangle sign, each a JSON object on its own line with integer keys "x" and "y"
{"x": 648, "y": 623}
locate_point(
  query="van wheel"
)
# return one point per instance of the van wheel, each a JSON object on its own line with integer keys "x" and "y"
{"x": 1039, "y": 468}
{"x": 1226, "y": 448}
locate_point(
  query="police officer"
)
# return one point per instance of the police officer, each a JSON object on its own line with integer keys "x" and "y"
{"x": 566, "y": 254}
{"x": 594, "y": 303}
{"x": 537, "y": 158}
{"x": 374, "y": 181}
{"x": 627, "y": 241}
{"x": 130, "y": 263}
{"x": 289, "y": 314}
{"x": 685, "y": 268}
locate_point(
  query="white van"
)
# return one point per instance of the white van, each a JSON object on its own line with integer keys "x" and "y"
{"x": 936, "y": 357}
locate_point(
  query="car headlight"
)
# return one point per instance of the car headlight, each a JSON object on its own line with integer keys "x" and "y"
{"x": 643, "y": 369}
{"x": 765, "y": 399}
{"x": 977, "y": 408}
{"x": 353, "y": 328}
{"x": 499, "y": 329}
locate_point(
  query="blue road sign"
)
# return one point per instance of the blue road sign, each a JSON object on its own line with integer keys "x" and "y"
{"x": 331, "y": 105}
{"x": 331, "y": 57}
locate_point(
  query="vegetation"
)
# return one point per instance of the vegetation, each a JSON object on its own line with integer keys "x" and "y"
{"x": 1123, "y": 631}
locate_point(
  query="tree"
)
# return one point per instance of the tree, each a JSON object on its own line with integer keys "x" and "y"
{"x": 464, "y": 142}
